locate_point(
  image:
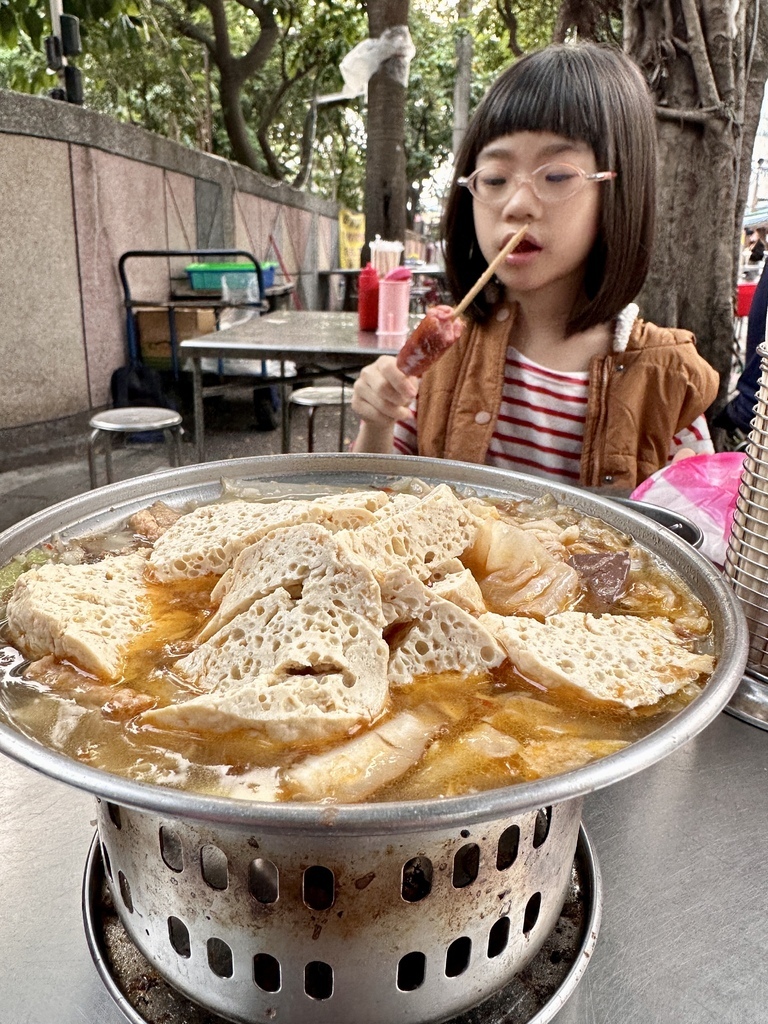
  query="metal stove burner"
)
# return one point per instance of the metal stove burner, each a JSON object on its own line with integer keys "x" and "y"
{"x": 534, "y": 996}
{"x": 750, "y": 702}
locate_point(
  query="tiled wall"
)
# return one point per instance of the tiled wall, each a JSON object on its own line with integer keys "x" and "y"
{"x": 77, "y": 191}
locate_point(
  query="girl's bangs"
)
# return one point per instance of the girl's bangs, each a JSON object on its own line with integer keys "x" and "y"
{"x": 536, "y": 100}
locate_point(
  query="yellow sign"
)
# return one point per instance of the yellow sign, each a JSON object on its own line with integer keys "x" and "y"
{"x": 351, "y": 238}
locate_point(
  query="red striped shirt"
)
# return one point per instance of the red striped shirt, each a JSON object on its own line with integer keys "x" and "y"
{"x": 540, "y": 426}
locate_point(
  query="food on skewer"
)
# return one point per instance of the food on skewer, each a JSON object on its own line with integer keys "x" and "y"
{"x": 442, "y": 325}
{"x": 435, "y": 333}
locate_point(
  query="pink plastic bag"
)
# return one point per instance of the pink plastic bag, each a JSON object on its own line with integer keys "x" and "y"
{"x": 704, "y": 488}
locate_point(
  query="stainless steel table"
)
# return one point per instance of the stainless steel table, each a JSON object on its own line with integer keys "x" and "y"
{"x": 682, "y": 848}
{"x": 317, "y": 342}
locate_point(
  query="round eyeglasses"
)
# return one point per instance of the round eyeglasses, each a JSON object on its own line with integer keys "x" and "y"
{"x": 495, "y": 185}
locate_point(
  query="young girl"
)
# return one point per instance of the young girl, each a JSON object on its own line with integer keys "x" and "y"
{"x": 554, "y": 373}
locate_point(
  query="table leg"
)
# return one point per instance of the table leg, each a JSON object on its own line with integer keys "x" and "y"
{"x": 341, "y": 416}
{"x": 285, "y": 412}
{"x": 197, "y": 405}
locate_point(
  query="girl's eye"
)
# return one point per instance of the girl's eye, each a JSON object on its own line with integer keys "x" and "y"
{"x": 559, "y": 175}
{"x": 491, "y": 180}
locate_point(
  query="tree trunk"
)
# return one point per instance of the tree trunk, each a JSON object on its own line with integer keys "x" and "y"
{"x": 461, "y": 90}
{"x": 696, "y": 55}
{"x": 230, "y": 85}
{"x": 385, "y": 186}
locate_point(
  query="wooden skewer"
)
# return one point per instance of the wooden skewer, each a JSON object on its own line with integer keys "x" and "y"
{"x": 490, "y": 270}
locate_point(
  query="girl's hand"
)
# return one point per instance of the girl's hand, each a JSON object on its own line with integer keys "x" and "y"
{"x": 380, "y": 397}
{"x": 382, "y": 393}
{"x": 684, "y": 453}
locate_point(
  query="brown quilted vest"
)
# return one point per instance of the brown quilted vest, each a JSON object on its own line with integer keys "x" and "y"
{"x": 638, "y": 400}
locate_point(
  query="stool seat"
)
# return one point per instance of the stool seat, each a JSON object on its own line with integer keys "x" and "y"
{"x": 330, "y": 394}
{"x": 313, "y": 397}
{"x": 135, "y": 419}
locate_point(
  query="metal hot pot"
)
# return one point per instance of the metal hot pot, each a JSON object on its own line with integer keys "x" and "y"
{"x": 353, "y": 914}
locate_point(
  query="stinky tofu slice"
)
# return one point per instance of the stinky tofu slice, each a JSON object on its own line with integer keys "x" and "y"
{"x": 304, "y": 559}
{"x": 283, "y": 707}
{"x": 564, "y": 754}
{"x": 619, "y": 658}
{"x": 288, "y": 667}
{"x": 444, "y": 638}
{"x": 404, "y": 597}
{"x": 207, "y": 540}
{"x": 436, "y": 528}
{"x": 517, "y": 714}
{"x": 88, "y": 613}
{"x": 481, "y": 752}
{"x": 461, "y": 588}
{"x": 356, "y": 770}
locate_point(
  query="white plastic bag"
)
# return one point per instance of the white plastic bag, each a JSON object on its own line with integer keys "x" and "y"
{"x": 237, "y": 289}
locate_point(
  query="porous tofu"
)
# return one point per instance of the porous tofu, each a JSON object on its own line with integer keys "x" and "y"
{"x": 618, "y": 658}
{"x": 287, "y": 667}
{"x": 417, "y": 536}
{"x": 87, "y": 613}
{"x": 209, "y": 539}
{"x": 309, "y": 562}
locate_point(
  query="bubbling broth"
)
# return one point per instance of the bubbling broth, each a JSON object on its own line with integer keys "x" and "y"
{"x": 468, "y": 696}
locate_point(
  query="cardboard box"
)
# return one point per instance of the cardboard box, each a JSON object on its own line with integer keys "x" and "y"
{"x": 155, "y": 332}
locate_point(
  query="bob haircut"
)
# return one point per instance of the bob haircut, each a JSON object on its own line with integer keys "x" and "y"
{"x": 588, "y": 93}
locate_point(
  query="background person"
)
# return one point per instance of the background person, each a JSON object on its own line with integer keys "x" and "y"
{"x": 756, "y": 244}
{"x": 554, "y": 373}
{"x": 732, "y": 424}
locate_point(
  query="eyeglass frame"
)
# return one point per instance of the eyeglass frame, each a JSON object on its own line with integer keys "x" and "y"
{"x": 527, "y": 179}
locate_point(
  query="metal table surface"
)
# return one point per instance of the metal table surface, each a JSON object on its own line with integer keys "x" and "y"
{"x": 682, "y": 848}
{"x": 331, "y": 342}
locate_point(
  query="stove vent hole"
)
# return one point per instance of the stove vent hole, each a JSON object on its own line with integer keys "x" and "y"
{"x": 263, "y": 883}
{"x": 509, "y": 841}
{"x": 318, "y": 892}
{"x": 417, "y": 881}
{"x": 541, "y": 828}
{"x": 457, "y": 957}
{"x": 213, "y": 866}
{"x": 466, "y": 865}
{"x": 220, "y": 958}
{"x": 105, "y": 858}
{"x": 531, "y": 915}
{"x": 266, "y": 972}
{"x": 179, "y": 936}
{"x": 498, "y": 938}
{"x": 125, "y": 891}
{"x": 318, "y": 980}
{"x": 170, "y": 848}
{"x": 411, "y": 972}
{"x": 114, "y": 814}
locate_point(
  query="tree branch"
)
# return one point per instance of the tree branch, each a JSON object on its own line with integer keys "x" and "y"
{"x": 701, "y": 115}
{"x": 508, "y": 16}
{"x": 251, "y": 5}
{"x": 187, "y": 28}
{"x": 223, "y": 51}
{"x": 251, "y": 61}
{"x": 702, "y": 69}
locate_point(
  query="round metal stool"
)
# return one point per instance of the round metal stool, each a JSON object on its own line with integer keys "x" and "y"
{"x": 132, "y": 420}
{"x": 312, "y": 398}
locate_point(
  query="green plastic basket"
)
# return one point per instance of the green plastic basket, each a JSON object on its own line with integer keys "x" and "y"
{"x": 207, "y": 276}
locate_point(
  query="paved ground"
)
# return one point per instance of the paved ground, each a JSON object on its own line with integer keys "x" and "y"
{"x": 230, "y": 434}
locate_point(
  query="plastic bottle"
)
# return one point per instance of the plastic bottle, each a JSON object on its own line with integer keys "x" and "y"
{"x": 368, "y": 298}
